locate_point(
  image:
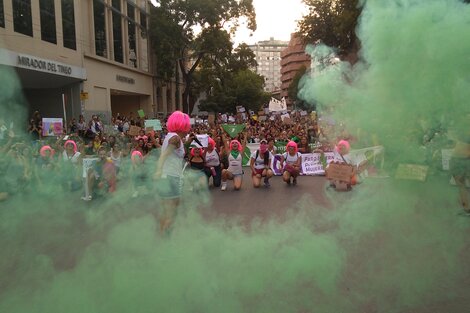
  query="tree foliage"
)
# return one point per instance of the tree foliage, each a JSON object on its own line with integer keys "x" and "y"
{"x": 332, "y": 22}
{"x": 174, "y": 38}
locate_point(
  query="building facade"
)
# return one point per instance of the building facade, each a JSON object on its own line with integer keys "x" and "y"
{"x": 268, "y": 57}
{"x": 94, "y": 54}
{"x": 293, "y": 58}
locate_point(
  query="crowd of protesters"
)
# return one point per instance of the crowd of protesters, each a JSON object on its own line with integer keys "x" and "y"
{"x": 29, "y": 161}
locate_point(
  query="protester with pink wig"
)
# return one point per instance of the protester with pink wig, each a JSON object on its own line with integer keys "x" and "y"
{"x": 196, "y": 162}
{"x": 260, "y": 163}
{"x": 70, "y": 152}
{"x": 212, "y": 163}
{"x": 291, "y": 162}
{"x": 169, "y": 167}
{"x": 70, "y": 166}
{"x": 234, "y": 172}
{"x": 138, "y": 172}
{"x": 341, "y": 157}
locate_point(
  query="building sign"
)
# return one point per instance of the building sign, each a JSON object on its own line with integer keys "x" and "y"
{"x": 124, "y": 79}
{"x": 30, "y": 62}
{"x": 83, "y": 95}
{"x": 49, "y": 66}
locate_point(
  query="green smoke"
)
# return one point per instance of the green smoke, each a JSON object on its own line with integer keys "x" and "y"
{"x": 387, "y": 246}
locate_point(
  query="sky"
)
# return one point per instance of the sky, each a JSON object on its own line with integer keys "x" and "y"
{"x": 274, "y": 18}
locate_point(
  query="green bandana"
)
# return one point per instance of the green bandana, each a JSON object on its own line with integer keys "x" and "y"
{"x": 235, "y": 153}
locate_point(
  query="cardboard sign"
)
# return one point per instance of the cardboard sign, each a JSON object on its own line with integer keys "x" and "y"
{"x": 52, "y": 127}
{"x": 262, "y": 118}
{"x": 134, "y": 130}
{"x": 154, "y": 124}
{"x": 412, "y": 172}
{"x": 141, "y": 113}
{"x": 211, "y": 119}
{"x": 342, "y": 172}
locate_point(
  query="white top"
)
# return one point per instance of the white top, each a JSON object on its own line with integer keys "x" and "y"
{"x": 116, "y": 160}
{"x": 173, "y": 164}
{"x": 73, "y": 158}
{"x": 259, "y": 162}
{"x": 339, "y": 159}
{"x": 212, "y": 158}
{"x": 291, "y": 159}
{"x": 235, "y": 165}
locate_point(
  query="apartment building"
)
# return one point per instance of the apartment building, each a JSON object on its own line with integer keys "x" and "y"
{"x": 268, "y": 57}
{"x": 94, "y": 54}
{"x": 293, "y": 57}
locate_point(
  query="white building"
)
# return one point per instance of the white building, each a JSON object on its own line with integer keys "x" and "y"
{"x": 268, "y": 57}
{"x": 95, "y": 52}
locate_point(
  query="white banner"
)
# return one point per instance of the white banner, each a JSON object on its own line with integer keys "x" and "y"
{"x": 276, "y": 105}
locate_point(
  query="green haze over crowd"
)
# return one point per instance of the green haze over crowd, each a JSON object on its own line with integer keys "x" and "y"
{"x": 388, "y": 246}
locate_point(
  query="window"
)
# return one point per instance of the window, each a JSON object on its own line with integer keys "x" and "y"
{"x": 100, "y": 28}
{"x": 22, "y": 21}
{"x": 68, "y": 24}
{"x": 117, "y": 32}
{"x": 131, "y": 25}
{"x": 47, "y": 15}
{"x": 2, "y": 15}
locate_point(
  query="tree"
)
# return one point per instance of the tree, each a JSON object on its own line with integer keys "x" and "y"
{"x": 174, "y": 38}
{"x": 293, "y": 89}
{"x": 332, "y": 22}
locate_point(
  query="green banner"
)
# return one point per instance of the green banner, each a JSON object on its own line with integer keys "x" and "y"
{"x": 246, "y": 157}
{"x": 233, "y": 129}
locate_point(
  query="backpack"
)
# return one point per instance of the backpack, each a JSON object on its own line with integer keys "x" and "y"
{"x": 266, "y": 157}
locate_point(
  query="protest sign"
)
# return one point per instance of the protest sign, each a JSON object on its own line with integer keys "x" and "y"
{"x": 342, "y": 172}
{"x": 203, "y": 139}
{"x": 412, "y": 172}
{"x": 141, "y": 113}
{"x": 303, "y": 113}
{"x": 446, "y": 156}
{"x": 52, "y": 127}
{"x": 211, "y": 120}
{"x": 240, "y": 109}
{"x": 231, "y": 119}
{"x": 192, "y": 121}
{"x": 134, "y": 130}
{"x": 262, "y": 118}
{"x": 233, "y": 130}
{"x": 312, "y": 165}
{"x": 154, "y": 124}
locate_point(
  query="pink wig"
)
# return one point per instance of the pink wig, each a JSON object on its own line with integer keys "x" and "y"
{"x": 72, "y": 143}
{"x": 178, "y": 122}
{"x": 211, "y": 142}
{"x": 192, "y": 152}
{"x": 43, "y": 150}
{"x": 240, "y": 148}
{"x": 343, "y": 143}
{"x": 135, "y": 155}
{"x": 292, "y": 144}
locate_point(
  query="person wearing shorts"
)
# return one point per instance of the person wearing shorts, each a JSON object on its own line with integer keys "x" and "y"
{"x": 170, "y": 167}
{"x": 235, "y": 159}
{"x": 291, "y": 161}
{"x": 212, "y": 163}
{"x": 260, "y": 162}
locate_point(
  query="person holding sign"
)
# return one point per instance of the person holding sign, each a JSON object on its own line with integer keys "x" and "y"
{"x": 260, "y": 162}
{"x": 291, "y": 162}
{"x": 343, "y": 167}
{"x": 234, "y": 172}
{"x": 170, "y": 166}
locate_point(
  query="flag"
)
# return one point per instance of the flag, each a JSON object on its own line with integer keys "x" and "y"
{"x": 233, "y": 129}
